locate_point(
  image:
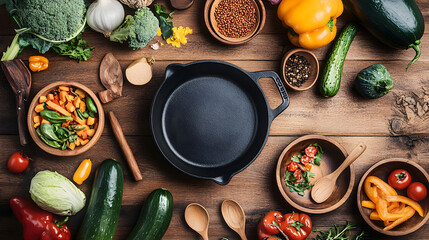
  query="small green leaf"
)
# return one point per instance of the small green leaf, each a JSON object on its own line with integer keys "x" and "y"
{"x": 295, "y": 159}
{"x": 297, "y": 225}
{"x": 331, "y": 24}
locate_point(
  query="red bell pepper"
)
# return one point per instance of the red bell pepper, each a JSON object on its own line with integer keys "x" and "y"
{"x": 37, "y": 223}
{"x": 297, "y": 226}
{"x": 292, "y": 226}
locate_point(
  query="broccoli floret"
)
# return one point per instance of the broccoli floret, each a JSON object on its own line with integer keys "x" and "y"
{"x": 138, "y": 30}
{"x": 55, "y": 20}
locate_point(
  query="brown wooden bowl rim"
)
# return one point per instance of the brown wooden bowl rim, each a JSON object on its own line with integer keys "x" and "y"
{"x": 296, "y": 205}
{"x": 262, "y": 15}
{"x": 359, "y": 199}
{"x": 67, "y": 152}
{"x": 286, "y": 56}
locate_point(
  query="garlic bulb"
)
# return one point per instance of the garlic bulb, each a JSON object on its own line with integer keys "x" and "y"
{"x": 105, "y": 16}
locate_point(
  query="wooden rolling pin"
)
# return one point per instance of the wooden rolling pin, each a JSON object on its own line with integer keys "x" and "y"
{"x": 117, "y": 130}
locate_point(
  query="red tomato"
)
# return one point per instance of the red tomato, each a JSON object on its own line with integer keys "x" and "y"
{"x": 18, "y": 162}
{"x": 292, "y": 167}
{"x": 399, "y": 179}
{"x": 417, "y": 191}
{"x": 305, "y": 159}
{"x": 311, "y": 151}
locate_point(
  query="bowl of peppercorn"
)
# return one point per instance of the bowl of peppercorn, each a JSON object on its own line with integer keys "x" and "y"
{"x": 300, "y": 69}
{"x": 234, "y": 21}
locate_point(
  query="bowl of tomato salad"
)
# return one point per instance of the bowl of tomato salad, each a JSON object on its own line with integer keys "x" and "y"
{"x": 65, "y": 119}
{"x": 304, "y": 161}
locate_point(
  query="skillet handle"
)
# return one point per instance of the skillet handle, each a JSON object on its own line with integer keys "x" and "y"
{"x": 171, "y": 69}
{"x": 270, "y": 74}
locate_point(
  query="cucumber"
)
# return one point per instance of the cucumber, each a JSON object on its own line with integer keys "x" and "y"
{"x": 104, "y": 206}
{"x": 398, "y": 24}
{"x": 330, "y": 78}
{"x": 155, "y": 216}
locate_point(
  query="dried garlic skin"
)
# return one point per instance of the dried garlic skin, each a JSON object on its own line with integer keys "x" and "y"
{"x": 135, "y": 4}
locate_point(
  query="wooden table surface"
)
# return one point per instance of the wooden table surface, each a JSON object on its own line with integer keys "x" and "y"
{"x": 396, "y": 125}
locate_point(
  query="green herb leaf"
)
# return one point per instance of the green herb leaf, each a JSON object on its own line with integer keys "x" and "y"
{"x": 297, "y": 225}
{"x": 295, "y": 159}
{"x": 331, "y": 24}
{"x": 164, "y": 23}
{"x": 76, "y": 49}
{"x": 338, "y": 232}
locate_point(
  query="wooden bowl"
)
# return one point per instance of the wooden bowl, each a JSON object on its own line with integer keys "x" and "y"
{"x": 382, "y": 169}
{"x": 314, "y": 68}
{"x": 211, "y": 24}
{"x": 67, "y": 152}
{"x": 334, "y": 154}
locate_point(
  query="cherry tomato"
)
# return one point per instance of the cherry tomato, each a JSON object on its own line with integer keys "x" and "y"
{"x": 18, "y": 162}
{"x": 311, "y": 151}
{"x": 305, "y": 159}
{"x": 292, "y": 167}
{"x": 399, "y": 179}
{"x": 417, "y": 191}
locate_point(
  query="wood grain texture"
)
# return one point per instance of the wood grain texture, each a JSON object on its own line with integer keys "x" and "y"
{"x": 389, "y": 126}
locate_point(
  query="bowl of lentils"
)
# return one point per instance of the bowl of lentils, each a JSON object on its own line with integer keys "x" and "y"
{"x": 234, "y": 21}
{"x": 300, "y": 69}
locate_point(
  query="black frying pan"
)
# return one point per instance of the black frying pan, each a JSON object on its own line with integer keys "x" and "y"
{"x": 211, "y": 119}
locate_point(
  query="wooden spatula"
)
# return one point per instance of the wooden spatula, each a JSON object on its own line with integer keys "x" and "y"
{"x": 19, "y": 78}
{"x": 181, "y": 4}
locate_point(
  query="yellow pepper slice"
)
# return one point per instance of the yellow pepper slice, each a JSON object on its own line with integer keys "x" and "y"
{"x": 407, "y": 201}
{"x": 82, "y": 172}
{"x": 409, "y": 212}
{"x": 382, "y": 185}
{"x": 368, "y": 204}
{"x": 38, "y": 63}
{"x": 391, "y": 216}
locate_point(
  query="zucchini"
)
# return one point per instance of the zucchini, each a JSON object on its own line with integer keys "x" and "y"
{"x": 104, "y": 206}
{"x": 155, "y": 216}
{"x": 330, "y": 78}
{"x": 398, "y": 24}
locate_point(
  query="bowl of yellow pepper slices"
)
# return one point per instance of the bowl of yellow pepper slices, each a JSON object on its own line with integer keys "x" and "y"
{"x": 388, "y": 210}
{"x": 65, "y": 119}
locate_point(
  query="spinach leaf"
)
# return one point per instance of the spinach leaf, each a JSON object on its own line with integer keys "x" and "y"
{"x": 48, "y": 131}
{"x": 164, "y": 22}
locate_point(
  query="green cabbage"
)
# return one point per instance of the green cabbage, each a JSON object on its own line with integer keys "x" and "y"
{"x": 54, "y": 193}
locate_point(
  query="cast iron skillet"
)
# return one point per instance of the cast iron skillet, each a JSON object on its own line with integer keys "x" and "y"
{"x": 211, "y": 119}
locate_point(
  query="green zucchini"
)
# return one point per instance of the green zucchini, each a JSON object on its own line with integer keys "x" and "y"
{"x": 330, "y": 78}
{"x": 155, "y": 216}
{"x": 396, "y": 23}
{"x": 104, "y": 206}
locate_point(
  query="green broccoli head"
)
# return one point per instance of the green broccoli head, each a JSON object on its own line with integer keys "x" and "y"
{"x": 54, "y": 20}
{"x": 144, "y": 28}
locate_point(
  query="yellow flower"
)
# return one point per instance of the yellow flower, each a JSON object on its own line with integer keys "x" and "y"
{"x": 179, "y": 36}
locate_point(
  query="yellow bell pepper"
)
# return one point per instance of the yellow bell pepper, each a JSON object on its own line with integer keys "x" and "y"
{"x": 82, "y": 172}
{"x": 311, "y": 23}
{"x": 38, "y": 63}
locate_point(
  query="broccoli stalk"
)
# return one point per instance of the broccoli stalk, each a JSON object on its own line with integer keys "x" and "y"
{"x": 138, "y": 30}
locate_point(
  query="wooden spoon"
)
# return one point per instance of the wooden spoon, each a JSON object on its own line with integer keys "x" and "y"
{"x": 197, "y": 218}
{"x": 234, "y": 216}
{"x": 324, "y": 187}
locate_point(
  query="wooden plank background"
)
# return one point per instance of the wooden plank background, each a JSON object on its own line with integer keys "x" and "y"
{"x": 389, "y": 128}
